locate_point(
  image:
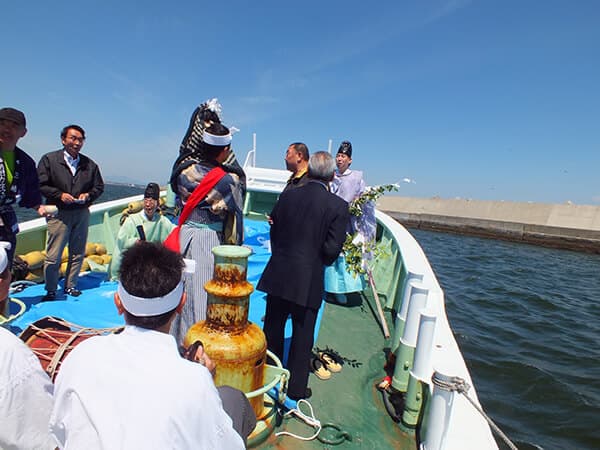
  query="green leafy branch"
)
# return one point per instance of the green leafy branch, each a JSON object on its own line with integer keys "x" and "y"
{"x": 354, "y": 254}
{"x": 353, "y": 249}
{"x": 372, "y": 193}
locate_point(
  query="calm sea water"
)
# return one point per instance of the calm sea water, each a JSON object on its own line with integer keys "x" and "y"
{"x": 111, "y": 192}
{"x": 528, "y": 322}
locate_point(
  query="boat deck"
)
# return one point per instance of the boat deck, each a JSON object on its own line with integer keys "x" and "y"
{"x": 349, "y": 399}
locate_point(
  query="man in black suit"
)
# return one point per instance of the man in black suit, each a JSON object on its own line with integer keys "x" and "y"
{"x": 307, "y": 233}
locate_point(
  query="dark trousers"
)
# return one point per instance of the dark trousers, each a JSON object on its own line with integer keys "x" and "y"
{"x": 8, "y": 220}
{"x": 303, "y": 328}
{"x": 69, "y": 227}
{"x": 237, "y": 406}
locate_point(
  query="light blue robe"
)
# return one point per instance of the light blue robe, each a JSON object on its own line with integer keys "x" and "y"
{"x": 349, "y": 186}
{"x": 156, "y": 229}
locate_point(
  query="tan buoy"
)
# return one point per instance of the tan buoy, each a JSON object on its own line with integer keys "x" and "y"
{"x": 237, "y": 346}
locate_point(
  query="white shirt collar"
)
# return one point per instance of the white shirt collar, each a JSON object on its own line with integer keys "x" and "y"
{"x": 347, "y": 172}
{"x": 71, "y": 162}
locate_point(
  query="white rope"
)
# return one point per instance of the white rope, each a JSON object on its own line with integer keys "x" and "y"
{"x": 462, "y": 387}
{"x": 308, "y": 419}
{"x": 10, "y": 318}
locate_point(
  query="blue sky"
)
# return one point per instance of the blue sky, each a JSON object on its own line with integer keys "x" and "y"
{"x": 493, "y": 100}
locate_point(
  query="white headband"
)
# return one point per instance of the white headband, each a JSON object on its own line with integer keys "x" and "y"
{"x": 144, "y": 307}
{"x": 4, "y": 248}
{"x": 212, "y": 139}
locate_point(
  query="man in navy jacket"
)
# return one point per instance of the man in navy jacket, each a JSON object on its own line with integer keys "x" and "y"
{"x": 71, "y": 181}
{"x": 18, "y": 177}
{"x": 307, "y": 233}
{"x": 18, "y": 183}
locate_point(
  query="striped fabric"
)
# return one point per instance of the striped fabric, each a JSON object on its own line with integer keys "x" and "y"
{"x": 196, "y": 243}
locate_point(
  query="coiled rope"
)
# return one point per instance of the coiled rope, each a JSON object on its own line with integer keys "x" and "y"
{"x": 459, "y": 385}
{"x": 15, "y": 286}
{"x": 10, "y": 318}
{"x": 310, "y": 419}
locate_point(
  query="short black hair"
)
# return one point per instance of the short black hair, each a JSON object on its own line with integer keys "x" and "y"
{"x": 65, "y": 130}
{"x": 150, "y": 270}
{"x": 301, "y": 149}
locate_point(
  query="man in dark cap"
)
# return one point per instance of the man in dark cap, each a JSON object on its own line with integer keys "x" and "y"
{"x": 349, "y": 185}
{"x": 18, "y": 177}
{"x": 148, "y": 224}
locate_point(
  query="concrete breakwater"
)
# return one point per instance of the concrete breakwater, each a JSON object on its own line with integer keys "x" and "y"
{"x": 567, "y": 226}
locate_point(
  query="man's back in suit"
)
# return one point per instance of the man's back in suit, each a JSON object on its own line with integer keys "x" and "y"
{"x": 307, "y": 233}
{"x": 308, "y": 230}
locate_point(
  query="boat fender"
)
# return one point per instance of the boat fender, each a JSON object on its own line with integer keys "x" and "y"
{"x": 34, "y": 259}
{"x": 101, "y": 249}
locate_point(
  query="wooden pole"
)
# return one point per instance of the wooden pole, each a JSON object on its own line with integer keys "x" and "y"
{"x": 386, "y": 331}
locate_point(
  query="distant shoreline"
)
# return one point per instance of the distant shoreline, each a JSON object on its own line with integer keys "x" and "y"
{"x": 564, "y": 226}
{"x": 112, "y": 191}
{"x": 120, "y": 183}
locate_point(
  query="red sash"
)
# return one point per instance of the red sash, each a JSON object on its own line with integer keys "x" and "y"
{"x": 209, "y": 181}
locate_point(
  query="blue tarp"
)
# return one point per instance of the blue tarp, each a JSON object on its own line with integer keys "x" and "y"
{"x": 95, "y": 307}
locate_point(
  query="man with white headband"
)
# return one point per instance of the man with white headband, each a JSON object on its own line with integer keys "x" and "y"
{"x": 25, "y": 389}
{"x": 133, "y": 389}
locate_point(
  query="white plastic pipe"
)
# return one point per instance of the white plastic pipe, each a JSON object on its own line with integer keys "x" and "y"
{"x": 417, "y": 301}
{"x": 422, "y": 366}
{"x": 410, "y": 276}
{"x": 440, "y": 413}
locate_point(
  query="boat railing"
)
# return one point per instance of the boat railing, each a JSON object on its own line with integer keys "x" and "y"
{"x": 250, "y": 159}
{"x": 251, "y": 156}
{"x": 423, "y": 344}
{"x": 423, "y": 330}
{"x": 266, "y": 180}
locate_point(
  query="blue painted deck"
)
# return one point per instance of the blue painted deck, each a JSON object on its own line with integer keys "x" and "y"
{"x": 349, "y": 399}
{"x": 95, "y": 307}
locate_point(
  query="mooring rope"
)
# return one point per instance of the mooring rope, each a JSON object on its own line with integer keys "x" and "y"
{"x": 311, "y": 420}
{"x": 9, "y": 317}
{"x": 459, "y": 385}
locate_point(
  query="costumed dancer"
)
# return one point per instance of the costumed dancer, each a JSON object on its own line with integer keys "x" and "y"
{"x": 349, "y": 185}
{"x": 215, "y": 217}
{"x": 191, "y": 149}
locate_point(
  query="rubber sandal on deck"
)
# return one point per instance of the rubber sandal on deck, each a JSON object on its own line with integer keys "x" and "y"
{"x": 329, "y": 362}
{"x": 319, "y": 369}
